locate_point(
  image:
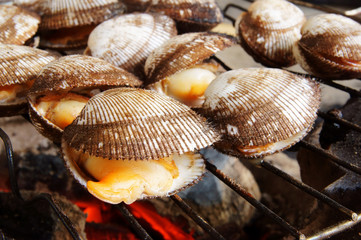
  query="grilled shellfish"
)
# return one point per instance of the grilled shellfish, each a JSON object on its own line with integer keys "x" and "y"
{"x": 190, "y": 15}
{"x": 181, "y": 67}
{"x": 268, "y": 31}
{"x": 127, "y": 40}
{"x": 260, "y": 111}
{"x": 17, "y": 25}
{"x": 330, "y": 47}
{"x": 66, "y": 24}
{"x": 63, "y": 87}
{"x": 19, "y": 67}
{"x": 130, "y": 144}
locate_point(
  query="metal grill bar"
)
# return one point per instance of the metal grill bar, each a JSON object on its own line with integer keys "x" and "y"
{"x": 339, "y": 121}
{"x": 134, "y": 224}
{"x": 15, "y": 189}
{"x": 199, "y": 220}
{"x": 331, "y": 157}
{"x": 9, "y": 156}
{"x": 248, "y": 197}
{"x": 308, "y": 189}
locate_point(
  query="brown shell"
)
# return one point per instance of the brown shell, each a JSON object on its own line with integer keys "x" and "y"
{"x": 72, "y": 13}
{"x": 190, "y": 15}
{"x": 182, "y": 52}
{"x": 330, "y": 47}
{"x": 17, "y": 25}
{"x": 66, "y": 24}
{"x": 127, "y": 40}
{"x": 20, "y": 65}
{"x": 255, "y": 107}
{"x": 126, "y": 123}
{"x": 268, "y": 31}
{"x": 69, "y": 73}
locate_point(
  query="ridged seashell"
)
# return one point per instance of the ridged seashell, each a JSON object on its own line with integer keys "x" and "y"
{"x": 70, "y": 81}
{"x": 190, "y": 15}
{"x": 17, "y": 25}
{"x": 130, "y": 130}
{"x": 67, "y": 23}
{"x": 19, "y": 66}
{"x": 268, "y": 31}
{"x": 330, "y": 47}
{"x": 180, "y": 53}
{"x": 260, "y": 111}
{"x": 127, "y": 40}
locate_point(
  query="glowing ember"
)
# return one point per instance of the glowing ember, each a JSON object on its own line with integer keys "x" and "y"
{"x": 168, "y": 230}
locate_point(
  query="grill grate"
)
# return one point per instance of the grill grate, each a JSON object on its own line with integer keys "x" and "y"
{"x": 353, "y": 217}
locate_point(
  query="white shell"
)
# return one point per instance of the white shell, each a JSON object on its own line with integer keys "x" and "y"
{"x": 260, "y": 111}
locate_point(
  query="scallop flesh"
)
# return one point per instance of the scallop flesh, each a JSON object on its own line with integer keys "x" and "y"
{"x": 63, "y": 87}
{"x": 129, "y": 144}
{"x": 181, "y": 67}
{"x": 268, "y": 31}
{"x": 17, "y": 25}
{"x": 330, "y": 47}
{"x": 19, "y": 67}
{"x": 260, "y": 111}
{"x": 127, "y": 40}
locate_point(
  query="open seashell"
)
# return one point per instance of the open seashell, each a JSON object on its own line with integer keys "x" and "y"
{"x": 260, "y": 111}
{"x": 17, "y": 25}
{"x": 66, "y": 24}
{"x": 63, "y": 87}
{"x": 190, "y": 15}
{"x": 19, "y": 66}
{"x": 181, "y": 67}
{"x": 330, "y": 47}
{"x": 130, "y": 144}
{"x": 127, "y": 40}
{"x": 268, "y": 31}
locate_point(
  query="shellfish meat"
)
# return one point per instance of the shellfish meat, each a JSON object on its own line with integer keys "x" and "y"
{"x": 129, "y": 144}
{"x": 181, "y": 67}
{"x": 63, "y": 87}
{"x": 260, "y": 111}
{"x": 330, "y": 47}
{"x": 268, "y": 31}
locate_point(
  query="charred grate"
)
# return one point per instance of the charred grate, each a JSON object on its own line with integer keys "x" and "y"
{"x": 353, "y": 217}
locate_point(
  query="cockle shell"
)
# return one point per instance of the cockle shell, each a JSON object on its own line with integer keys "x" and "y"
{"x": 137, "y": 125}
{"x": 127, "y": 40}
{"x": 260, "y": 111}
{"x": 268, "y": 31}
{"x": 68, "y": 23}
{"x": 73, "y": 73}
{"x": 17, "y": 25}
{"x": 330, "y": 47}
{"x": 180, "y": 53}
{"x": 19, "y": 66}
{"x": 190, "y": 15}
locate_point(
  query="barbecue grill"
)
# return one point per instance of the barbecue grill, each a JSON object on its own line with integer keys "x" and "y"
{"x": 352, "y": 218}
